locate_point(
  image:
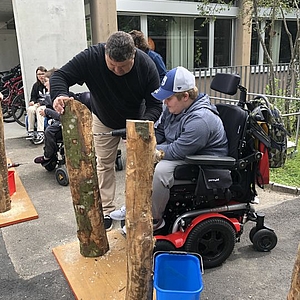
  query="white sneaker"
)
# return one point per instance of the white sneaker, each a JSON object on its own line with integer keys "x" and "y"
{"x": 255, "y": 200}
{"x": 119, "y": 214}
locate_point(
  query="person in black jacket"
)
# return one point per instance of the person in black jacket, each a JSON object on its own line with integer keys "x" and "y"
{"x": 120, "y": 78}
{"x": 35, "y": 105}
{"x": 141, "y": 43}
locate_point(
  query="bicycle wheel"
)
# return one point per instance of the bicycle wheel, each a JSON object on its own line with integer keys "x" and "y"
{"x": 7, "y": 113}
{"x": 19, "y": 109}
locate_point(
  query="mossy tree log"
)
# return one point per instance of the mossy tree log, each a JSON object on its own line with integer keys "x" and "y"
{"x": 294, "y": 293}
{"x": 140, "y": 143}
{"x": 5, "y": 201}
{"x": 81, "y": 166}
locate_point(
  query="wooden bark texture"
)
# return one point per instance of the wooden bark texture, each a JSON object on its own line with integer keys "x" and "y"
{"x": 141, "y": 144}
{"x": 81, "y": 166}
{"x": 5, "y": 201}
{"x": 294, "y": 293}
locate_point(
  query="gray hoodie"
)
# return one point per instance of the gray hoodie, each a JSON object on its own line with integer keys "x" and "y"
{"x": 196, "y": 130}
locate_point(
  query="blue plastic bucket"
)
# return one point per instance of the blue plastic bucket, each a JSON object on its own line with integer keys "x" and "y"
{"x": 177, "y": 277}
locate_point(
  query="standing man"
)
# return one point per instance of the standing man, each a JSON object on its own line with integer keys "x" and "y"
{"x": 120, "y": 79}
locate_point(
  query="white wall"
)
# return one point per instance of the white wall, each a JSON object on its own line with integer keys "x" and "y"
{"x": 9, "y": 56}
{"x": 48, "y": 34}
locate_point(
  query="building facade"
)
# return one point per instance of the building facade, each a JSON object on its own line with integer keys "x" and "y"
{"x": 179, "y": 32}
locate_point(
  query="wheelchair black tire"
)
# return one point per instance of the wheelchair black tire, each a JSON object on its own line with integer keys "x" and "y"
{"x": 163, "y": 245}
{"x": 19, "y": 109}
{"x": 264, "y": 240}
{"x": 214, "y": 239}
{"x": 119, "y": 164}
{"x": 62, "y": 176}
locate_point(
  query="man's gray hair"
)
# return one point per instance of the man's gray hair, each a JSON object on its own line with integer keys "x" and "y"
{"x": 120, "y": 46}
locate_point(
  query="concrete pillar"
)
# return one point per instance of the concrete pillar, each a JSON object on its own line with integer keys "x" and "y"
{"x": 103, "y": 19}
{"x": 48, "y": 34}
{"x": 243, "y": 35}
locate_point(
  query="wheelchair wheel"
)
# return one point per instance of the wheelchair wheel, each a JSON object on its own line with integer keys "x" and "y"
{"x": 62, "y": 176}
{"x": 251, "y": 233}
{"x": 119, "y": 161}
{"x": 163, "y": 245}
{"x": 119, "y": 164}
{"x": 213, "y": 239}
{"x": 264, "y": 240}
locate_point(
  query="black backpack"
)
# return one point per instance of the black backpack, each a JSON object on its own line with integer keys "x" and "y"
{"x": 264, "y": 112}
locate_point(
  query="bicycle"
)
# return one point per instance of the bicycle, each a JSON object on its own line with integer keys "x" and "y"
{"x": 13, "y": 87}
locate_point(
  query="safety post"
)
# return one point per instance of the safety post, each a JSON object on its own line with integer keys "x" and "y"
{"x": 5, "y": 201}
{"x": 140, "y": 148}
{"x": 81, "y": 166}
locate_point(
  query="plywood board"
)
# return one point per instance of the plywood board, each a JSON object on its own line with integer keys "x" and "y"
{"x": 22, "y": 208}
{"x": 95, "y": 278}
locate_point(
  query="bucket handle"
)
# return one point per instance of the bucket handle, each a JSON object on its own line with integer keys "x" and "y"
{"x": 179, "y": 253}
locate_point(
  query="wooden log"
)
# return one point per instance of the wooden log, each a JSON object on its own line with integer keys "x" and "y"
{"x": 81, "y": 166}
{"x": 294, "y": 292}
{"x": 5, "y": 201}
{"x": 141, "y": 144}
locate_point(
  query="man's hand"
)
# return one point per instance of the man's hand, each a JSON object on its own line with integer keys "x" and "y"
{"x": 59, "y": 104}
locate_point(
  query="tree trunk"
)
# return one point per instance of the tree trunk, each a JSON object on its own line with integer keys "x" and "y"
{"x": 294, "y": 293}
{"x": 81, "y": 166}
{"x": 141, "y": 144}
{"x": 5, "y": 202}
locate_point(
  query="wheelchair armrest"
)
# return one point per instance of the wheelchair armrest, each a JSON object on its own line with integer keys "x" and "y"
{"x": 211, "y": 160}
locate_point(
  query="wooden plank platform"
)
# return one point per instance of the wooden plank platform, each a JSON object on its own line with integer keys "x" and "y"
{"x": 95, "y": 278}
{"x": 22, "y": 208}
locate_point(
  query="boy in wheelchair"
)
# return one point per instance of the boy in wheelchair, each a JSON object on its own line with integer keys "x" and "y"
{"x": 189, "y": 125}
{"x": 53, "y": 133}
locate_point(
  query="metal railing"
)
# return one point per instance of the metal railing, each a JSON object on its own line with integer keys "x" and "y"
{"x": 255, "y": 79}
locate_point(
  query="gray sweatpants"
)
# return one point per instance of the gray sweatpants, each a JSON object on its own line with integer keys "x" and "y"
{"x": 163, "y": 180}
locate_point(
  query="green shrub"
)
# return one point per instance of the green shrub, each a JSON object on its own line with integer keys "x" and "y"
{"x": 289, "y": 174}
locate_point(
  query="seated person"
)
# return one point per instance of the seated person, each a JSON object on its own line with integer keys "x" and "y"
{"x": 190, "y": 125}
{"x": 53, "y": 133}
{"x": 35, "y": 105}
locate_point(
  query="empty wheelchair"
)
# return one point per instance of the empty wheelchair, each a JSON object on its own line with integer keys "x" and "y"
{"x": 212, "y": 198}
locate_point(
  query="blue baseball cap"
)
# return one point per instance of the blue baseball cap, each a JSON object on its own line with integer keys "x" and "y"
{"x": 176, "y": 80}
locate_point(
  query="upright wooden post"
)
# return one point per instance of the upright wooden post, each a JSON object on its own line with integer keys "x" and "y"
{"x": 81, "y": 166}
{"x": 141, "y": 144}
{"x": 5, "y": 202}
{"x": 294, "y": 292}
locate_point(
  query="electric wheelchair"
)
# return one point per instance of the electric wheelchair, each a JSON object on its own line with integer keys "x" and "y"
{"x": 212, "y": 198}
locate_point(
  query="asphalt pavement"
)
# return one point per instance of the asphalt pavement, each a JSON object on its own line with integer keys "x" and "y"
{"x": 29, "y": 269}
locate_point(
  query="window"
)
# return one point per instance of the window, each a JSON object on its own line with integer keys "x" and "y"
{"x": 222, "y": 43}
{"x": 254, "y": 59}
{"x": 157, "y": 31}
{"x": 200, "y": 43}
{"x": 185, "y": 41}
{"x": 128, "y": 23}
{"x": 285, "y": 51}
